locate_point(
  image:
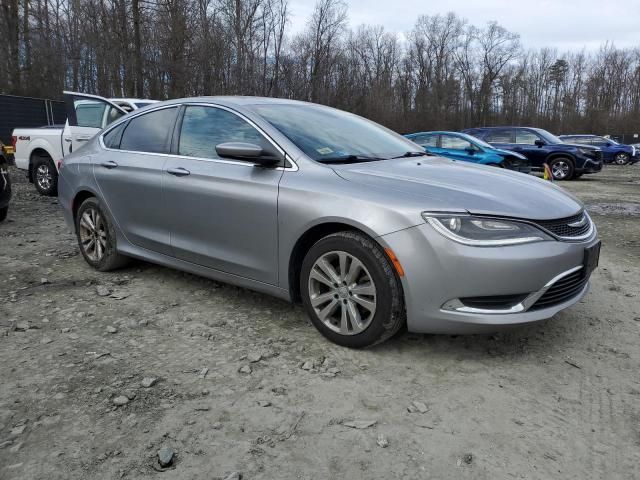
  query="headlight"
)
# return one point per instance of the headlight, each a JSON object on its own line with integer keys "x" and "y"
{"x": 484, "y": 232}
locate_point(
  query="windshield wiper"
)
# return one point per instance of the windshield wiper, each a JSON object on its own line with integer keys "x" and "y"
{"x": 412, "y": 154}
{"x": 349, "y": 159}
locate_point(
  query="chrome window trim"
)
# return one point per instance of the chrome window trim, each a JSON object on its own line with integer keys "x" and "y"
{"x": 455, "y": 305}
{"x": 292, "y": 168}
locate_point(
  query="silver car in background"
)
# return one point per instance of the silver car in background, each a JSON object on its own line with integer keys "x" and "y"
{"x": 313, "y": 204}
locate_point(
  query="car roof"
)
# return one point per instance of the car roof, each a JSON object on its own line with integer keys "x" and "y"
{"x": 579, "y": 135}
{"x": 239, "y": 101}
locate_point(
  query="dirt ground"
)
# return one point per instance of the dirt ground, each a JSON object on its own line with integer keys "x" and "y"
{"x": 241, "y": 382}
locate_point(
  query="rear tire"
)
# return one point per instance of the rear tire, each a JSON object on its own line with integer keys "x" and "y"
{"x": 45, "y": 176}
{"x": 3, "y": 213}
{"x": 561, "y": 168}
{"x": 97, "y": 237}
{"x": 360, "y": 302}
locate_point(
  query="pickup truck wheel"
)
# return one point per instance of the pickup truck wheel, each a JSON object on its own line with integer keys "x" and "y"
{"x": 621, "y": 158}
{"x": 561, "y": 168}
{"x": 45, "y": 176}
{"x": 97, "y": 237}
{"x": 3, "y": 213}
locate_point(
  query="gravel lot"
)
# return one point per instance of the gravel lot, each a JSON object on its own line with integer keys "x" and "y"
{"x": 236, "y": 381}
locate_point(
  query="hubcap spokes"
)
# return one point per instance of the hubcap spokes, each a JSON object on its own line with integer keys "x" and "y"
{"x": 560, "y": 169}
{"x": 93, "y": 234}
{"x": 43, "y": 176}
{"x": 342, "y": 293}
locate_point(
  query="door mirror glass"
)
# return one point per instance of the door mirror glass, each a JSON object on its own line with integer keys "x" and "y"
{"x": 539, "y": 143}
{"x": 470, "y": 150}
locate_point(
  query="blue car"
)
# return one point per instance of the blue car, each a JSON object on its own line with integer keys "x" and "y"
{"x": 612, "y": 151}
{"x": 460, "y": 146}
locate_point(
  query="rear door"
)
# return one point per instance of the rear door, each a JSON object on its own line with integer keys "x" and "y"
{"x": 223, "y": 213}
{"x": 86, "y": 116}
{"x": 129, "y": 173}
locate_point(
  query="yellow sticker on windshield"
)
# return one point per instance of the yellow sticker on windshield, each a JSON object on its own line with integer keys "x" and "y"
{"x": 324, "y": 150}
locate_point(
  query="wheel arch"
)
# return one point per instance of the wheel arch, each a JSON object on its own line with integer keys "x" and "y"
{"x": 78, "y": 198}
{"x": 567, "y": 155}
{"x": 38, "y": 152}
{"x": 305, "y": 241}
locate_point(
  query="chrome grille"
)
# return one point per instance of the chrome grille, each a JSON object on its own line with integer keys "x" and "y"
{"x": 562, "y": 227}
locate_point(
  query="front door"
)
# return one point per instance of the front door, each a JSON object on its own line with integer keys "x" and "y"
{"x": 86, "y": 116}
{"x": 223, "y": 214}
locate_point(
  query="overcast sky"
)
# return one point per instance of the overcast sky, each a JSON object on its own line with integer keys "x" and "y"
{"x": 561, "y": 24}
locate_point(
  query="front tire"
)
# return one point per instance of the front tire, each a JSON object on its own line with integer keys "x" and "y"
{"x": 96, "y": 237}
{"x": 45, "y": 176}
{"x": 3, "y": 213}
{"x": 621, "y": 158}
{"x": 350, "y": 290}
{"x": 561, "y": 168}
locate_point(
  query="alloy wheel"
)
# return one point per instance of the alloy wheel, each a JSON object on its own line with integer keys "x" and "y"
{"x": 93, "y": 234}
{"x": 560, "y": 170}
{"x": 44, "y": 177}
{"x": 342, "y": 293}
{"x": 621, "y": 159}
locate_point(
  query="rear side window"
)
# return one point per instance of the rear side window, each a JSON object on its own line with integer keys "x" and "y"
{"x": 112, "y": 138}
{"x": 90, "y": 113}
{"x": 149, "y": 132}
{"x": 205, "y": 127}
{"x": 498, "y": 136}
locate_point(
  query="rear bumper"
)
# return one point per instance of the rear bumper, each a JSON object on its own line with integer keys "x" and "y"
{"x": 438, "y": 272}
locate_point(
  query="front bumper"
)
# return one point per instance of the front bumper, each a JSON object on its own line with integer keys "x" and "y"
{"x": 590, "y": 166}
{"x": 438, "y": 272}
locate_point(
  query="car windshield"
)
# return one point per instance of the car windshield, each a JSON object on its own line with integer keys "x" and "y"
{"x": 608, "y": 140}
{"x": 328, "y": 135}
{"x": 548, "y": 137}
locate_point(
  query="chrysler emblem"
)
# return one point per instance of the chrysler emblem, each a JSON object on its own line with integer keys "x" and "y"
{"x": 579, "y": 223}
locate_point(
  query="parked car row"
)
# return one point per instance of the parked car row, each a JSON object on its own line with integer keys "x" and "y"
{"x": 319, "y": 206}
{"x": 524, "y": 149}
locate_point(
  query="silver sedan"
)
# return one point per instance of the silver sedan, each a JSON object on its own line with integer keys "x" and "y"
{"x": 315, "y": 205}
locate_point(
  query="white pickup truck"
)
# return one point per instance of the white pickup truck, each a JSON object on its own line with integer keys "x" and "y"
{"x": 38, "y": 150}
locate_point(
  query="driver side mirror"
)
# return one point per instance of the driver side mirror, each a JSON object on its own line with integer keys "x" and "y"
{"x": 539, "y": 143}
{"x": 248, "y": 152}
{"x": 470, "y": 150}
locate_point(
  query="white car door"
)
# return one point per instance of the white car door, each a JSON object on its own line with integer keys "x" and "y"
{"x": 86, "y": 116}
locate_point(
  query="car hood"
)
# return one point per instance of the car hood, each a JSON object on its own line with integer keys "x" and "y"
{"x": 440, "y": 184}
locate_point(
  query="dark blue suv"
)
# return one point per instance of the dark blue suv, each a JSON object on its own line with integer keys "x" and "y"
{"x": 612, "y": 151}
{"x": 566, "y": 161}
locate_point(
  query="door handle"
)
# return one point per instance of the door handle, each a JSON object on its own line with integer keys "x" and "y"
{"x": 83, "y": 139}
{"x": 178, "y": 172}
{"x": 109, "y": 164}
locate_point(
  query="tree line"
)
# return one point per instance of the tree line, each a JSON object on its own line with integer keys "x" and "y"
{"x": 446, "y": 73}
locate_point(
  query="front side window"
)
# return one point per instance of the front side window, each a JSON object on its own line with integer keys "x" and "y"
{"x": 205, "y": 127}
{"x": 329, "y": 135}
{"x": 499, "y": 136}
{"x": 149, "y": 132}
{"x": 525, "y": 137}
{"x": 426, "y": 140}
{"x": 90, "y": 113}
{"x": 454, "y": 143}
